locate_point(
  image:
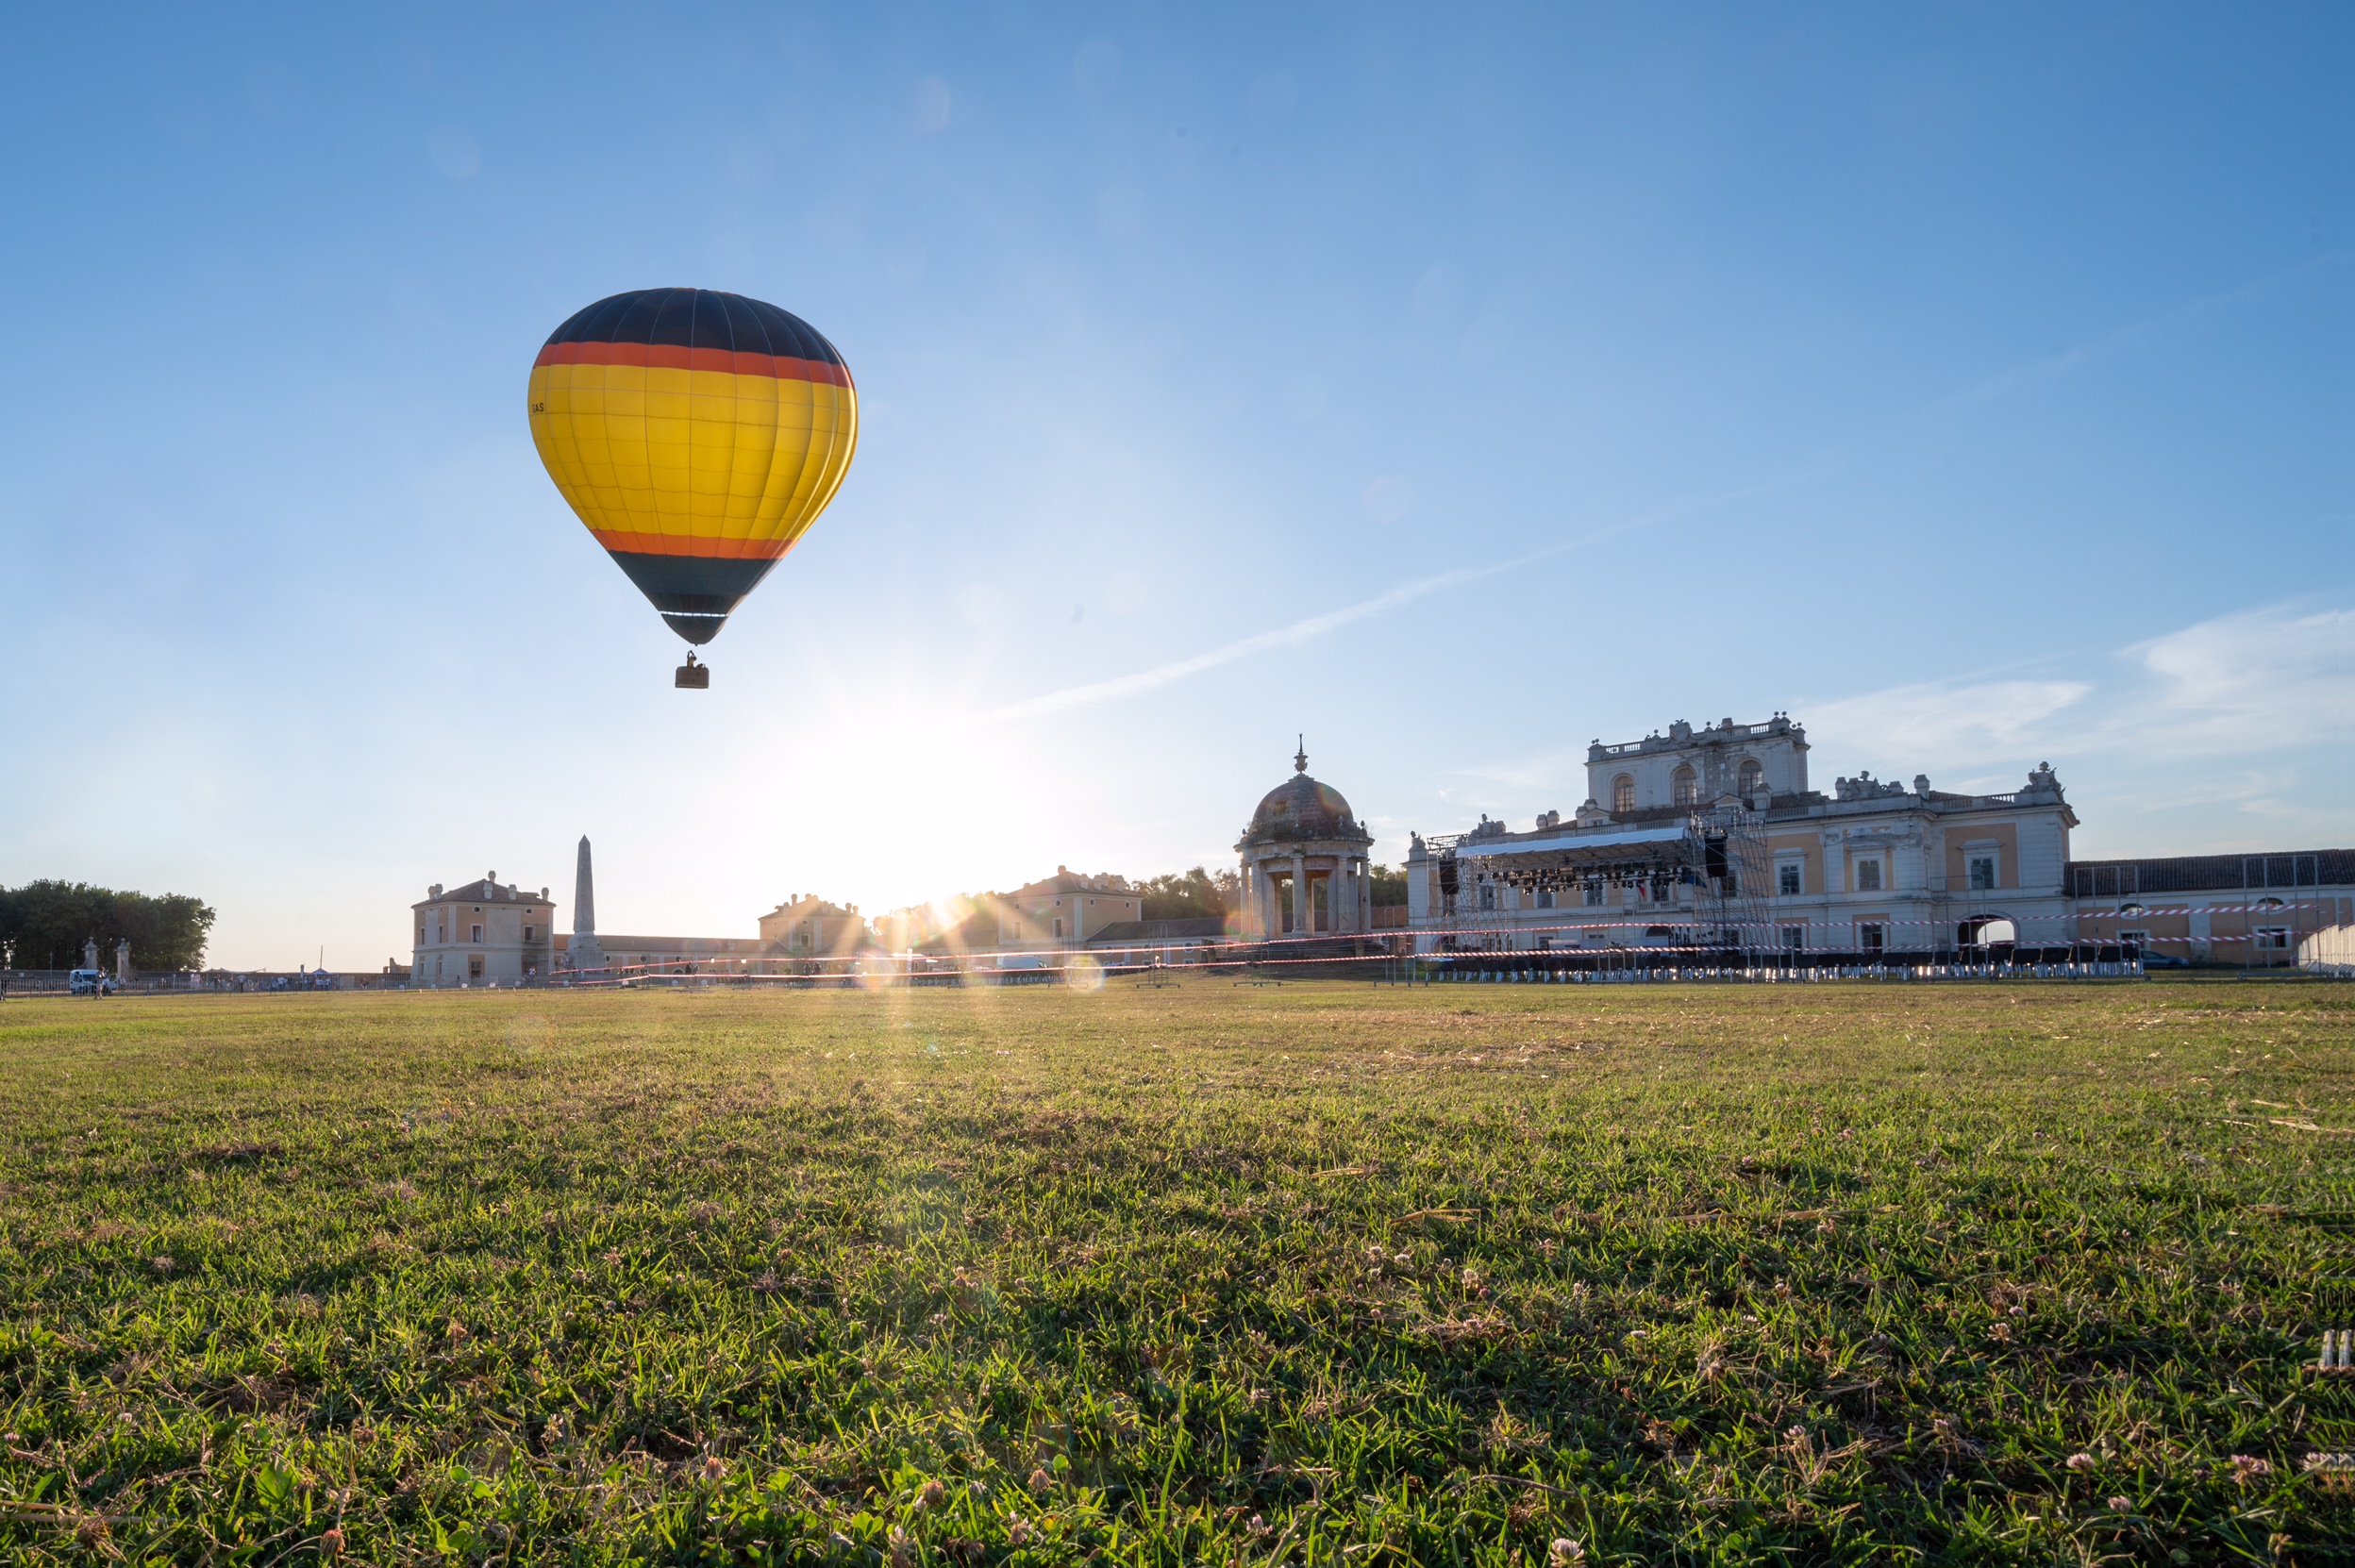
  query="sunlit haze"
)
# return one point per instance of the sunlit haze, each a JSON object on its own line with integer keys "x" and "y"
{"x": 1452, "y": 386}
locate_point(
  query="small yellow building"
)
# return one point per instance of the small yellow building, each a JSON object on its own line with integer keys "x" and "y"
{"x": 806, "y": 926}
{"x": 1064, "y": 911}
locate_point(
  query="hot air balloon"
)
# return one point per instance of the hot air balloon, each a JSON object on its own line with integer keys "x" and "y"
{"x": 698, "y": 435}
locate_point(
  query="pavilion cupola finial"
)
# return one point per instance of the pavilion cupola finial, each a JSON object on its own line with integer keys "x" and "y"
{"x": 1301, "y": 757}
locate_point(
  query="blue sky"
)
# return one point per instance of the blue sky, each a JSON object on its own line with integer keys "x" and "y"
{"x": 1456, "y": 386}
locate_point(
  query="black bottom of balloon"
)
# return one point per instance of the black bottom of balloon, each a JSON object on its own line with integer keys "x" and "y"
{"x": 695, "y": 629}
{"x": 693, "y": 677}
{"x": 695, "y": 595}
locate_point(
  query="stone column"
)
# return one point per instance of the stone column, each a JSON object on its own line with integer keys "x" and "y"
{"x": 584, "y": 952}
{"x": 1303, "y": 906}
{"x": 584, "y": 893}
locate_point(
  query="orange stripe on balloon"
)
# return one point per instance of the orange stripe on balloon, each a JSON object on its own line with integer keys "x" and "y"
{"x": 707, "y": 549}
{"x": 782, "y": 367}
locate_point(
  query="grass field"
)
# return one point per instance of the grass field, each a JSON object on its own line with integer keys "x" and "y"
{"x": 1324, "y": 1274}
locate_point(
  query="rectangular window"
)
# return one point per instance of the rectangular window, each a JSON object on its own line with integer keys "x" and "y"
{"x": 1868, "y": 874}
{"x": 421, "y": 936}
{"x": 473, "y": 966}
{"x": 526, "y": 933}
{"x": 1790, "y": 879}
{"x": 1544, "y": 898}
{"x": 2135, "y": 942}
{"x": 1595, "y": 895}
{"x": 1795, "y": 938}
{"x": 1982, "y": 873}
{"x": 1487, "y": 895}
{"x": 2273, "y": 938}
{"x": 477, "y": 930}
{"x": 1870, "y": 938}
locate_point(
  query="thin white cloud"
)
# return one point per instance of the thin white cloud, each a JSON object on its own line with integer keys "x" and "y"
{"x": 2262, "y": 680}
{"x": 2268, "y": 679}
{"x": 1936, "y": 725}
{"x": 1072, "y": 697}
{"x": 1939, "y": 718}
{"x": 2232, "y": 717}
{"x": 2046, "y": 367}
{"x": 2229, "y": 734}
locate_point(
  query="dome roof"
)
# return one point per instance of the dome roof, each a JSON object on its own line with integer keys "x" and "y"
{"x": 1300, "y": 807}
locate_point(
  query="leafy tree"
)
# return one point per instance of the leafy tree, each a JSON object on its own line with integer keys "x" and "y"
{"x": 1389, "y": 886}
{"x": 1196, "y": 895}
{"x": 43, "y": 924}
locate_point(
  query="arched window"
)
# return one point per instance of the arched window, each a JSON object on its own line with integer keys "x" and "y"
{"x": 1753, "y": 777}
{"x": 1688, "y": 788}
{"x": 1623, "y": 793}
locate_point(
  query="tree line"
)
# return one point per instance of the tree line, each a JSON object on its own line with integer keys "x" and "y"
{"x": 1198, "y": 894}
{"x": 43, "y": 924}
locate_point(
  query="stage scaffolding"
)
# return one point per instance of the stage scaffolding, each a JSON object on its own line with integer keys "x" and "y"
{"x": 1717, "y": 852}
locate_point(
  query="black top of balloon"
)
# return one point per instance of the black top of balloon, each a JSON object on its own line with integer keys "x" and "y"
{"x": 697, "y": 318}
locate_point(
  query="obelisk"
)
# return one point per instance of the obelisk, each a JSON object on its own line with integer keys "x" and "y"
{"x": 584, "y": 952}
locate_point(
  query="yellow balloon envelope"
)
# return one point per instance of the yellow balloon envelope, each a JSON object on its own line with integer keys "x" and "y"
{"x": 698, "y": 435}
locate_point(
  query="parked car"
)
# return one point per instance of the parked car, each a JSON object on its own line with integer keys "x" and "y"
{"x": 2164, "y": 961}
{"x": 90, "y": 983}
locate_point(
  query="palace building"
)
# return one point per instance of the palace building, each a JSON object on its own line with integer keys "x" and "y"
{"x": 1712, "y": 838}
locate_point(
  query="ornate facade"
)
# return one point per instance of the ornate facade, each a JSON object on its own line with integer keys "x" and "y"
{"x": 1873, "y": 867}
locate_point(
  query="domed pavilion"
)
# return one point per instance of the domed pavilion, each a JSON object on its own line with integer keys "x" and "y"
{"x": 1304, "y": 863}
